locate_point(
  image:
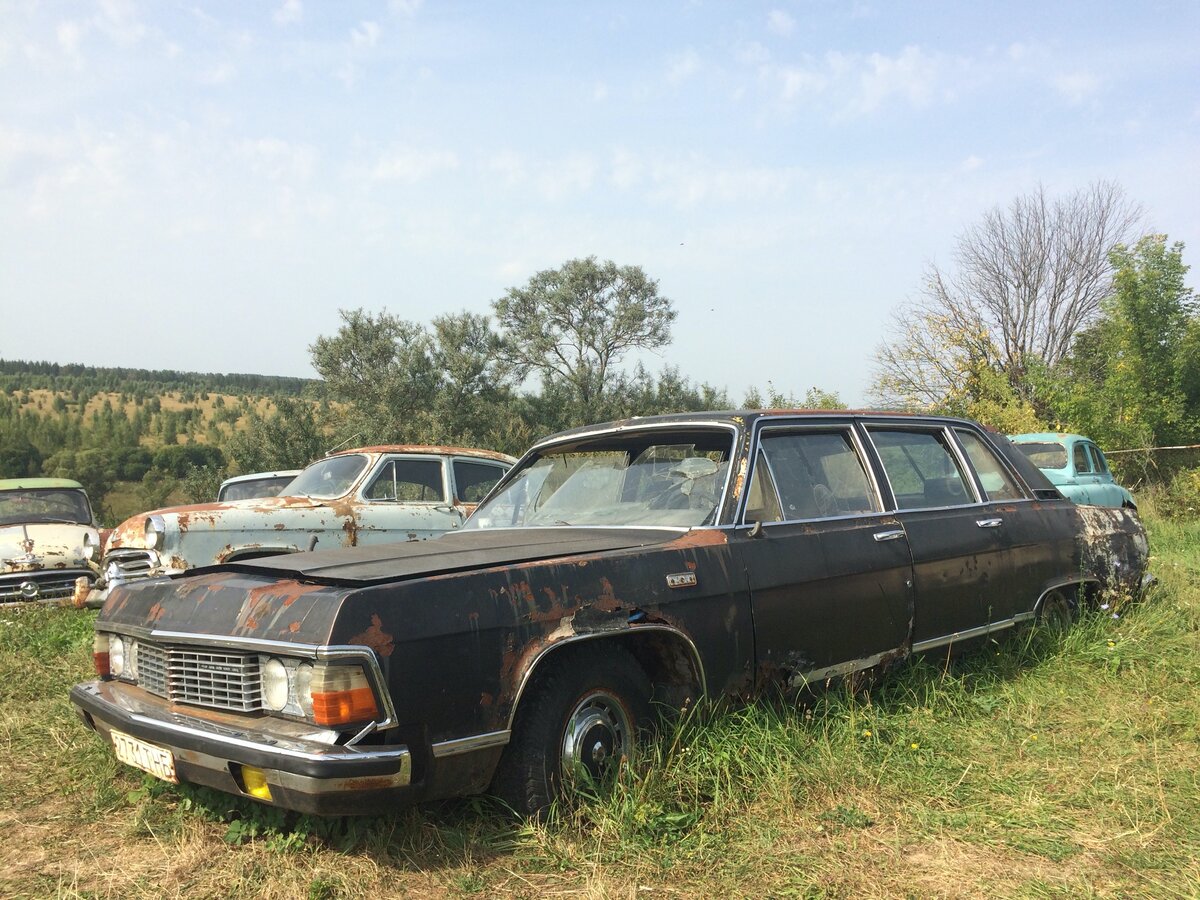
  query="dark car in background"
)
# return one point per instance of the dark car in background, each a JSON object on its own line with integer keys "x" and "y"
{"x": 614, "y": 567}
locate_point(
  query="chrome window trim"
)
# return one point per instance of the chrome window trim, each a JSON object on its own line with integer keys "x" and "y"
{"x": 792, "y": 426}
{"x": 632, "y": 629}
{"x": 956, "y": 452}
{"x": 319, "y": 652}
{"x": 458, "y": 746}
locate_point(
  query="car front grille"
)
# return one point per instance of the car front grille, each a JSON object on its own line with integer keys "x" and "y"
{"x": 131, "y": 564}
{"x": 218, "y": 679}
{"x": 41, "y": 586}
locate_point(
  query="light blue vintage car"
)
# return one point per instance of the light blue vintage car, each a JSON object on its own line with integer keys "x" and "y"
{"x": 370, "y": 495}
{"x": 1075, "y": 465}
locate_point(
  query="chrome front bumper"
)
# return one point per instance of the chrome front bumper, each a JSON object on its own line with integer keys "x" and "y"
{"x": 304, "y": 769}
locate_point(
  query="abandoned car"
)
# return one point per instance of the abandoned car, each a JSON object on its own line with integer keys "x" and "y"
{"x": 48, "y": 541}
{"x": 364, "y": 496}
{"x": 255, "y": 485}
{"x": 1075, "y": 465}
{"x": 646, "y": 561}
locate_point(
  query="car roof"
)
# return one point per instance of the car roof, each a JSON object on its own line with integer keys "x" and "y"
{"x": 1053, "y": 437}
{"x": 17, "y": 484}
{"x": 439, "y": 450}
{"x": 746, "y": 417}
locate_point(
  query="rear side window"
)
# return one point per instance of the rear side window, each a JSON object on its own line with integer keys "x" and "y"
{"x": 1083, "y": 462}
{"x": 818, "y": 474}
{"x": 473, "y": 480}
{"x": 921, "y": 468}
{"x": 995, "y": 479}
{"x": 408, "y": 481}
{"x": 1099, "y": 463}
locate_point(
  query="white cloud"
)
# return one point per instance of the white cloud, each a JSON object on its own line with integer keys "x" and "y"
{"x": 70, "y": 35}
{"x": 217, "y": 75}
{"x": 291, "y": 12}
{"x": 277, "y": 159}
{"x": 405, "y": 7}
{"x": 780, "y": 22}
{"x": 568, "y": 176}
{"x": 683, "y": 66}
{"x": 911, "y": 75}
{"x": 1076, "y": 86}
{"x": 626, "y": 169}
{"x": 411, "y": 165}
{"x": 119, "y": 21}
{"x": 366, "y": 34}
{"x": 600, "y": 92}
{"x": 795, "y": 82}
{"x": 508, "y": 166}
{"x": 751, "y": 53}
{"x": 971, "y": 163}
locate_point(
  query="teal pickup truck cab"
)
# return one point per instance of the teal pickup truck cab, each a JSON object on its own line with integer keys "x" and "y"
{"x": 1074, "y": 465}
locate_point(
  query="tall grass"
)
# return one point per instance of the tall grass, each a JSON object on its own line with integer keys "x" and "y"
{"x": 1038, "y": 766}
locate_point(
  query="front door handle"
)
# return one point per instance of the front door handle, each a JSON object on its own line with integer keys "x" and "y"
{"x": 889, "y": 535}
{"x": 989, "y": 523}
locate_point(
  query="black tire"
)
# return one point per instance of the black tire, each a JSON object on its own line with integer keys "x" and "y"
{"x": 1056, "y": 613}
{"x": 577, "y": 720}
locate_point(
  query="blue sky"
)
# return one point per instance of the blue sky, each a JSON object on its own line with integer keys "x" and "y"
{"x": 202, "y": 186}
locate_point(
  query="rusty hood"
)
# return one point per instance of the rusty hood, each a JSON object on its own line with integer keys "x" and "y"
{"x": 452, "y": 552}
{"x": 41, "y": 545}
{"x": 298, "y": 597}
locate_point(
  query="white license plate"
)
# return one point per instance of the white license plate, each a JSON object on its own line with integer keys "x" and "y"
{"x": 155, "y": 760}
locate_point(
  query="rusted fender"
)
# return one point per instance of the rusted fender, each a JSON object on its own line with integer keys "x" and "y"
{"x": 1113, "y": 548}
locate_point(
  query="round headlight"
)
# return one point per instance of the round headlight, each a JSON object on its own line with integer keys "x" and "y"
{"x": 131, "y": 654}
{"x": 154, "y": 532}
{"x": 89, "y": 547}
{"x": 116, "y": 656}
{"x": 274, "y": 684}
{"x": 304, "y": 674}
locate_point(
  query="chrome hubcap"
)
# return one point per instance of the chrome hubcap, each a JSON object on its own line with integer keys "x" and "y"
{"x": 597, "y": 736}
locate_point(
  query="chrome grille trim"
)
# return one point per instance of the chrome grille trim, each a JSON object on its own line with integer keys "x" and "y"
{"x": 53, "y": 584}
{"x": 211, "y": 678}
{"x": 132, "y": 563}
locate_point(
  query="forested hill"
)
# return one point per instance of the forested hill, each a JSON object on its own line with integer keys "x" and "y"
{"x": 16, "y": 375}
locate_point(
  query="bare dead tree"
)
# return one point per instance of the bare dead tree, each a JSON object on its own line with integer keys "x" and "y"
{"x": 1026, "y": 280}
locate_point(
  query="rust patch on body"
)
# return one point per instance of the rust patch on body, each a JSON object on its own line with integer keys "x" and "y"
{"x": 376, "y": 638}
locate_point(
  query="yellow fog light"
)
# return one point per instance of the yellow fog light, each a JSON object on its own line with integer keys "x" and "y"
{"x": 255, "y": 782}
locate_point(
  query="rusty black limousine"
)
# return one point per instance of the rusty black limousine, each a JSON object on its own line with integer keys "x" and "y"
{"x": 645, "y": 561}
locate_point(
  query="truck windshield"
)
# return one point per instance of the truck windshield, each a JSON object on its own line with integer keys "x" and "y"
{"x": 660, "y": 478}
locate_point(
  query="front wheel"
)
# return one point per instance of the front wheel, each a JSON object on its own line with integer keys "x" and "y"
{"x": 1056, "y": 613}
{"x": 576, "y": 723}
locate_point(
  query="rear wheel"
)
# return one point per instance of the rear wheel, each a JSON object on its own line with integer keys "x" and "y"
{"x": 577, "y": 722}
{"x": 1056, "y": 613}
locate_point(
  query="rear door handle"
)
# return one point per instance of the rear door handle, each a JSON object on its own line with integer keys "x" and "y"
{"x": 889, "y": 535}
{"x": 989, "y": 523}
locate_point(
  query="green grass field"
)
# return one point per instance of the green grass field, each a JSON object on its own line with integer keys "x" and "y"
{"x": 1036, "y": 767}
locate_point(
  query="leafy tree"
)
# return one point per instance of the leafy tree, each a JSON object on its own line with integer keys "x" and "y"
{"x": 572, "y": 324}
{"x": 156, "y": 488}
{"x": 201, "y": 483}
{"x": 1134, "y": 379}
{"x": 289, "y": 438}
{"x": 18, "y": 457}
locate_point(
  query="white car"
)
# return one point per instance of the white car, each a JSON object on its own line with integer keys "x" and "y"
{"x": 48, "y": 541}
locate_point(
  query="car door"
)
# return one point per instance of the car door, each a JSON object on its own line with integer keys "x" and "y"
{"x": 829, "y": 572}
{"x": 1104, "y": 491}
{"x": 957, "y": 542}
{"x": 406, "y": 498}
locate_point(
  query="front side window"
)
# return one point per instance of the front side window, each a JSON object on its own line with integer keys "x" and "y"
{"x": 1083, "y": 463}
{"x": 328, "y": 478}
{"x": 996, "y": 481}
{"x": 818, "y": 474}
{"x": 654, "y": 478}
{"x": 54, "y": 505}
{"x": 921, "y": 468}
{"x": 408, "y": 481}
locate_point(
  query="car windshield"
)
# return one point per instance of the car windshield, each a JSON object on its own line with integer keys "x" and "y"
{"x": 44, "y": 505}
{"x": 252, "y": 490}
{"x": 329, "y": 478}
{"x": 643, "y": 479}
{"x": 1047, "y": 455}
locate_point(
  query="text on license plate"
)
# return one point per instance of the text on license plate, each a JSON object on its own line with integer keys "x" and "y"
{"x": 155, "y": 760}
